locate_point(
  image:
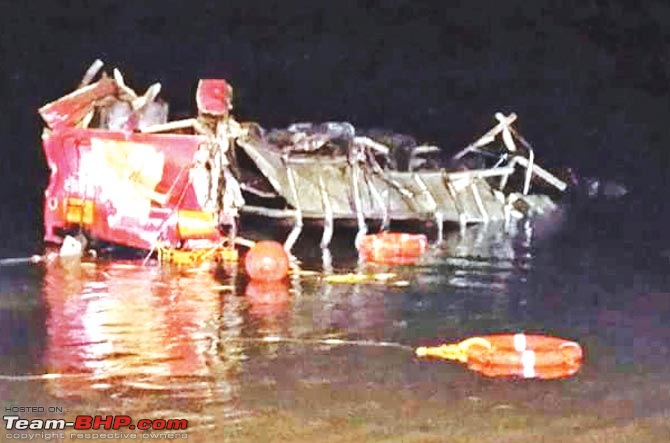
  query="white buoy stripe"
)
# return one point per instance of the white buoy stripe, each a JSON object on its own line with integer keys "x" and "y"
{"x": 520, "y": 342}
{"x": 528, "y": 363}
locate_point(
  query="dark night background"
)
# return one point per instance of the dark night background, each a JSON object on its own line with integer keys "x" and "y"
{"x": 588, "y": 78}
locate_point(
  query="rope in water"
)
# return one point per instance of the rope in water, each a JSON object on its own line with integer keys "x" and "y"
{"x": 328, "y": 341}
{"x": 38, "y": 377}
{"x": 12, "y": 261}
{"x": 267, "y": 339}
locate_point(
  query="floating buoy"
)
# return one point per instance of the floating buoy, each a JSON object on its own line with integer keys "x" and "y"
{"x": 392, "y": 247}
{"x": 513, "y": 355}
{"x": 266, "y": 261}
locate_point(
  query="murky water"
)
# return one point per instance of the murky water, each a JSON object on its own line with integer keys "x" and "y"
{"x": 189, "y": 343}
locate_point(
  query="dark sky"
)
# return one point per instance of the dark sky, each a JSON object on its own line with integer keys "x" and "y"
{"x": 588, "y": 78}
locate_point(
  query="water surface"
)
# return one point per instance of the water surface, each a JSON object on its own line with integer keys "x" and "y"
{"x": 189, "y": 343}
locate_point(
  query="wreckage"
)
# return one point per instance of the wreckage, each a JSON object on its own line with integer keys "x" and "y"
{"x": 122, "y": 173}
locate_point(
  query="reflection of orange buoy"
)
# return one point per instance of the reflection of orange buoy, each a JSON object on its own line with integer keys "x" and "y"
{"x": 266, "y": 261}
{"x": 267, "y": 299}
{"x": 513, "y": 355}
{"x": 392, "y": 247}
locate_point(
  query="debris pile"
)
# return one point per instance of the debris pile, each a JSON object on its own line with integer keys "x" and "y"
{"x": 123, "y": 173}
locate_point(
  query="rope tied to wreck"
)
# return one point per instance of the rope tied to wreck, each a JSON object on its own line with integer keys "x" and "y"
{"x": 15, "y": 261}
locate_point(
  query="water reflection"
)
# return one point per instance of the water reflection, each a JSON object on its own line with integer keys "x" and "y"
{"x": 123, "y": 330}
{"x": 268, "y": 306}
{"x": 474, "y": 281}
{"x": 159, "y": 338}
{"x": 163, "y": 339}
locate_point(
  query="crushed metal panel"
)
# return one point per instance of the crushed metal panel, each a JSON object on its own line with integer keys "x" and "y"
{"x": 405, "y": 195}
{"x": 214, "y": 97}
{"x": 269, "y": 163}
{"x": 469, "y": 205}
{"x": 135, "y": 183}
{"x": 392, "y": 198}
{"x": 438, "y": 188}
{"x": 337, "y": 182}
{"x": 136, "y": 168}
{"x": 71, "y": 109}
{"x": 418, "y": 202}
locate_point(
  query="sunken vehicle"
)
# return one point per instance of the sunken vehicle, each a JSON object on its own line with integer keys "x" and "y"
{"x": 123, "y": 173}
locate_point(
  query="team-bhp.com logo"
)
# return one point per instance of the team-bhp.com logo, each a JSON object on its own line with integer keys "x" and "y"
{"x": 148, "y": 427}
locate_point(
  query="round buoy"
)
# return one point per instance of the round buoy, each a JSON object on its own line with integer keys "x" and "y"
{"x": 266, "y": 261}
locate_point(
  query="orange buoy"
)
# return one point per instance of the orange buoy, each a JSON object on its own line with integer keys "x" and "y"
{"x": 513, "y": 355}
{"x": 392, "y": 247}
{"x": 266, "y": 261}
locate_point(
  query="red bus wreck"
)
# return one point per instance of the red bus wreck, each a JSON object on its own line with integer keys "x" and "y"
{"x": 118, "y": 183}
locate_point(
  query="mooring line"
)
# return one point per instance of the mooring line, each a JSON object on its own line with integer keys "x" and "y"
{"x": 12, "y": 261}
{"x": 267, "y": 339}
{"x": 326, "y": 341}
{"x": 34, "y": 377}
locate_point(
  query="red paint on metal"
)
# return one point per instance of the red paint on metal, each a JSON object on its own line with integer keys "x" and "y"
{"x": 214, "y": 97}
{"x": 136, "y": 182}
{"x": 70, "y": 109}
